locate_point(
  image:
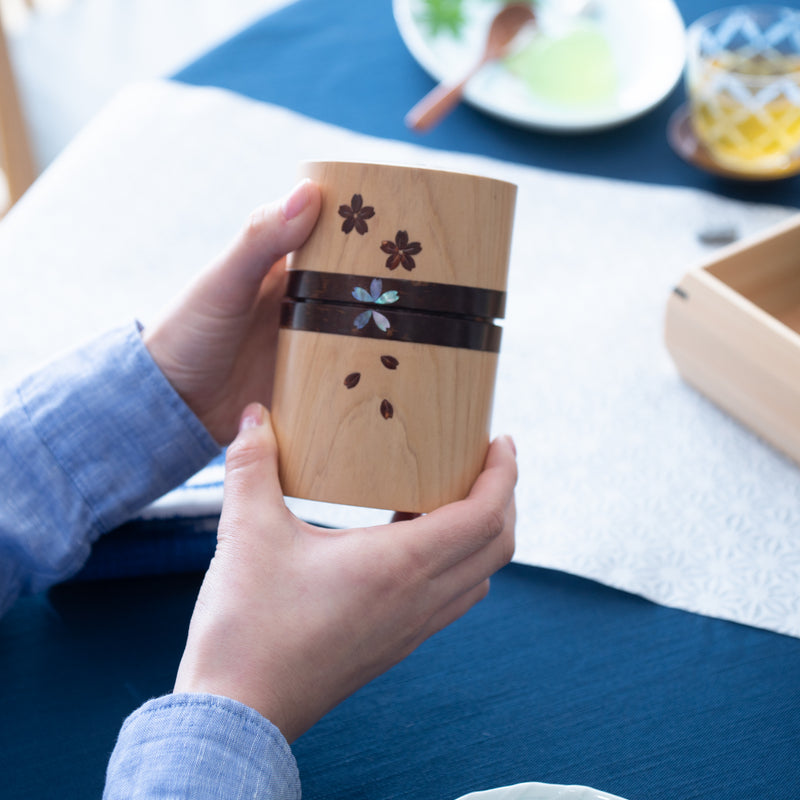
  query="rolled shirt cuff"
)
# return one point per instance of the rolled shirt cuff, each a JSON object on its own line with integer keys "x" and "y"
{"x": 200, "y": 746}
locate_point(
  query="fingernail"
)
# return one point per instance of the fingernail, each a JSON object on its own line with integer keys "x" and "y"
{"x": 252, "y": 417}
{"x": 511, "y": 442}
{"x": 297, "y": 200}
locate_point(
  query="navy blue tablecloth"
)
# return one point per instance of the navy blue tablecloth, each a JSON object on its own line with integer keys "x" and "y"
{"x": 344, "y": 62}
{"x": 552, "y": 678}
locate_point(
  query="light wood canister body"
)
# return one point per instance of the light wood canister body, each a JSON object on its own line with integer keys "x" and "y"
{"x": 462, "y": 222}
{"x": 388, "y": 352}
{"x": 427, "y": 453}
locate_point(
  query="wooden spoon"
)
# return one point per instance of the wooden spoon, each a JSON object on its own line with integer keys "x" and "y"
{"x": 440, "y": 101}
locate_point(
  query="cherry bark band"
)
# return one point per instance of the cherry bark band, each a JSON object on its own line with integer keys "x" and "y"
{"x": 431, "y": 298}
{"x": 390, "y": 323}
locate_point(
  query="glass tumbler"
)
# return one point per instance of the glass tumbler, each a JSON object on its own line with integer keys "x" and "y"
{"x": 743, "y": 83}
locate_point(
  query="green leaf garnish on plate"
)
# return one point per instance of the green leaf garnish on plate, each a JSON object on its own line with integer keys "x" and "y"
{"x": 443, "y": 16}
{"x": 449, "y": 16}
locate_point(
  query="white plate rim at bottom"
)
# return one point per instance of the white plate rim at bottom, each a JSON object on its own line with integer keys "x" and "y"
{"x": 541, "y": 791}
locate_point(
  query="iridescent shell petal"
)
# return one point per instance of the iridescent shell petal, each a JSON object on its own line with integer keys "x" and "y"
{"x": 362, "y": 319}
{"x": 381, "y": 321}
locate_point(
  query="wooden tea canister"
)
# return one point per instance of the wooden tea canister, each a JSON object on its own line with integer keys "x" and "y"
{"x": 387, "y": 352}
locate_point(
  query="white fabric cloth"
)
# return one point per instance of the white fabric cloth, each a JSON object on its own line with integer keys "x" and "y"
{"x": 627, "y": 476}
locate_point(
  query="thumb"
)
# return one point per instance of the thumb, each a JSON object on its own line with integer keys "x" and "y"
{"x": 252, "y": 487}
{"x": 271, "y": 232}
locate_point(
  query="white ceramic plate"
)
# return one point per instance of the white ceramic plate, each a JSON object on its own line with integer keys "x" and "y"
{"x": 645, "y": 40}
{"x": 541, "y": 791}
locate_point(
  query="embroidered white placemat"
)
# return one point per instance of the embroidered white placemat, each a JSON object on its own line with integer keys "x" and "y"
{"x": 627, "y": 476}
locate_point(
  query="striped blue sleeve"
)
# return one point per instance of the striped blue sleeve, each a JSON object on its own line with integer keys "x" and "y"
{"x": 85, "y": 443}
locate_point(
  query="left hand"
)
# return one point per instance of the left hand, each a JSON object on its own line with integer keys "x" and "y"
{"x": 217, "y": 345}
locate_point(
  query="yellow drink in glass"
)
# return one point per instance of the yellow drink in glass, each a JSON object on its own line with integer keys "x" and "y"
{"x": 743, "y": 82}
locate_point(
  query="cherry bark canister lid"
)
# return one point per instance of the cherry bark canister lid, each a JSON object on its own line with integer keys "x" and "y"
{"x": 387, "y": 352}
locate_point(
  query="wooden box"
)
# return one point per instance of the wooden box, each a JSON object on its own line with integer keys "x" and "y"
{"x": 387, "y": 352}
{"x": 733, "y": 329}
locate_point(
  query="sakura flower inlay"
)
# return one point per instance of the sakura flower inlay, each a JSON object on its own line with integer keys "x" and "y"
{"x": 356, "y": 215}
{"x": 377, "y": 296}
{"x": 401, "y": 252}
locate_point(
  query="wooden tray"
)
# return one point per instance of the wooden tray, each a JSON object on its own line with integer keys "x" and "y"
{"x": 733, "y": 329}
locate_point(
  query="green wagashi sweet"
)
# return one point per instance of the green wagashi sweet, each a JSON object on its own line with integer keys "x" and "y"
{"x": 576, "y": 68}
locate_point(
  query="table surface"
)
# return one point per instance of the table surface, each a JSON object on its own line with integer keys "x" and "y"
{"x": 552, "y": 678}
{"x": 356, "y": 72}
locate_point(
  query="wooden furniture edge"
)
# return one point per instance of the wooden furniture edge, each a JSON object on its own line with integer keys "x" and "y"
{"x": 16, "y": 156}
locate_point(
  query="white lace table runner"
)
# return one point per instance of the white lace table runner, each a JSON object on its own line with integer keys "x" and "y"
{"x": 627, "y": 476}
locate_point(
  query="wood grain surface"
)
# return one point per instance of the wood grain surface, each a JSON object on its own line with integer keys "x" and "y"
{"x": 336, "y": 443}
{"x": 462, "y": 223}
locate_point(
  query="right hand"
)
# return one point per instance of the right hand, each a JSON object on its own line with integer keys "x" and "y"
{"x": 292, "y": 619}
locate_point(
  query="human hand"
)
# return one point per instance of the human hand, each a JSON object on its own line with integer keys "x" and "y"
{"x": 292, "y": 619}
{"x": 217, "y": 345}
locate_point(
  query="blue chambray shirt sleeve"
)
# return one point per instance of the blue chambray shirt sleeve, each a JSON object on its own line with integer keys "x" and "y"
{"x": 85, "y": 443}
{"x": 200, "y": 746}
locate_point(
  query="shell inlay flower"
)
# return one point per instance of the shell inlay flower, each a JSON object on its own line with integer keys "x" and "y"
{"x": 401, "y": 252}
{"x": 356, "y": 214}
{"x": 379, "y": 297}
